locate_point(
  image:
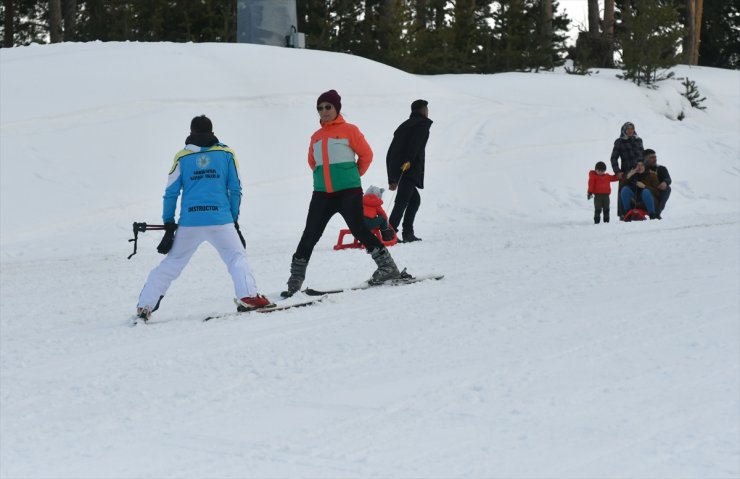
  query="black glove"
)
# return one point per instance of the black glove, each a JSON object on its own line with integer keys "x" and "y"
{"x": 241, "y": 238}
{"x": 589, "y": 196}
{"x": 169, "y": 237}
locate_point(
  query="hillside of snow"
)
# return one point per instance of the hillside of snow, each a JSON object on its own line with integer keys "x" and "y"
{"x": 552, "y": 348}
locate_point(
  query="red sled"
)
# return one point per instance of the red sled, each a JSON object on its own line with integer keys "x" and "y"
{"x": 635, "y": 214}
{"x": 356, "y": 243}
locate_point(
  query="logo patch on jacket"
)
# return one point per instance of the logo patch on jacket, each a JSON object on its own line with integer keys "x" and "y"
{"x": 203, "y": 161}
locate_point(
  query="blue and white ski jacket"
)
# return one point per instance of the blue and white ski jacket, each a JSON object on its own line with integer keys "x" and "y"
{"x": 209, "y": 180}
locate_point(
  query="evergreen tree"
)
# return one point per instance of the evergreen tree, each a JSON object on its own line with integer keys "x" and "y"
{"x": 595, "y": 48}
{"x": 518, "y": 43}
{"x": 650, "y": 36}
{"x": 470, "y": 34}
{"x": 430, "y": 38}
{"x": 313, "y": 20}
{"x": 381, "y": 32}
{"x": 691, "y": 93}
{"x": 24, "y": 22}
{"x": 720, "y": 35}
{"x": 157, "y": 20}
{"x": 511, "y": 36}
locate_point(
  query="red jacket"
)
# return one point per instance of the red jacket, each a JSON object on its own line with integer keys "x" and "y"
{"x": 371, "y": 206}
{"x": 599, "y": 184}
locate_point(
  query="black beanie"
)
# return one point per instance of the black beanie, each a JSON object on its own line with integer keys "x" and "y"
{"x": 418, "y": 105}
{"x": 201, "y": 124}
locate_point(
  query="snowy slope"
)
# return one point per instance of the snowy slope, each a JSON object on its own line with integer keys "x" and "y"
{"x": 553, "y": 347}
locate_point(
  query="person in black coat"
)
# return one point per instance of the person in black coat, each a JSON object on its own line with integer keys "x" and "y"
{"x": 664, "y": 179}
{"x": 628, "y": 147}
{"x": 405, "y": 164}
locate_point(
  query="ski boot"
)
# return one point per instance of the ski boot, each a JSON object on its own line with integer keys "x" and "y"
{"x": 297, "y": 276}
{"x": 387, "y": 268}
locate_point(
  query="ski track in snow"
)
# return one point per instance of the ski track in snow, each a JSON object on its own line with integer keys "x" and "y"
{"x": 552, "y": 348}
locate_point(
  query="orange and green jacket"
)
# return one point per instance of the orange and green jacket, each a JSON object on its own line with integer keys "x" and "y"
{"x": 331, "y": 156}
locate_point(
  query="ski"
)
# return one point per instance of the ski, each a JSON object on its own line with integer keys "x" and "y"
{"x": 279, "y": 306}
{"x": 407, "y": 279}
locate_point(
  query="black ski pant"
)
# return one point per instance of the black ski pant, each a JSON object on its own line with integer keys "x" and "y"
{"x": 407, "y": 204}
{"x": 347, "y": 203}
{"x": 601, "y": 203}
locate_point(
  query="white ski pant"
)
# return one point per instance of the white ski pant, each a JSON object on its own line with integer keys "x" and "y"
{"x": 187, "y": 239}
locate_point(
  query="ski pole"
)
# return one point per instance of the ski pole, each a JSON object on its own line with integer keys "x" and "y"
{"x": 393, "y": 198}
{"x": 141, "y": 227}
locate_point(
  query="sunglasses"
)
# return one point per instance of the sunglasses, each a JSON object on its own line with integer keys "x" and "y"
{"x": 324, "y": 108}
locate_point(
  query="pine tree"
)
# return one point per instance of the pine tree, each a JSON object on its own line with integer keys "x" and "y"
{"x": 430, "y": 38}
{"x": 720, "y": 40}
{"x": 649, "y": 37}
{"x": 691, "y": 93}
{"x": 381, "y": 31}
{"x": 313, "y": 20}
{"x": 24, "y": 22}
{"x": 595, "y": 48}
{"x": 518, "y": 42}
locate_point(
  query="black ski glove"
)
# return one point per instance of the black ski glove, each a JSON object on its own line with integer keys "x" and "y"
{"x": 169, "y": 237}
{"x": 241, "y": 237}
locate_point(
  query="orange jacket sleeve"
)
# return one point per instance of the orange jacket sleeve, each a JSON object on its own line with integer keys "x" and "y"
{"x": 311, "y": 159}
{"x": 364, "y": 153}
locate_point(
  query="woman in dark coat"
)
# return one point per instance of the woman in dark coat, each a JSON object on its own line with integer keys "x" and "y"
{"x": 628, "y": 147}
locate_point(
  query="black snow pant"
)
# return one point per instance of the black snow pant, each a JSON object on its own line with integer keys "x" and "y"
{"x": 347, "y": 203}
{"x": 601, "y": 203}
{"x": 406, "y": 205}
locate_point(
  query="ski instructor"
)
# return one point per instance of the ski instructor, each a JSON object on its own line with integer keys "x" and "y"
{"x": 405, "y": 163}
{"x": 337, "y": 189}
{"x": 206, "y": 173}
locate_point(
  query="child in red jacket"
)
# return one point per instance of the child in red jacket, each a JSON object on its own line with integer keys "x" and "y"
{"x": 375, "y": 217}
{"x": 600, "y": 189}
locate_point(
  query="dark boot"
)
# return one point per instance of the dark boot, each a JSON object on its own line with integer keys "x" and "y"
{"x": 297, "y": 275}
{"x": 386, "y": 234}
{"x": 409, "y": 237}
{"x": 387, "y": 268}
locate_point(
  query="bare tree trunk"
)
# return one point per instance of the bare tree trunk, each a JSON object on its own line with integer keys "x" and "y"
{"x": 688, "y": 40}
{"x": 55, "y": 21}
{"x": 8, "y": 24}
{"x": 609, "y": 32}
{"x": 593, "y": 18}
{"x": 547, "y": 30}
{"x": 70, "y": 19}
{"x": 697, "y": 31}
{"x": 694, "y": 11}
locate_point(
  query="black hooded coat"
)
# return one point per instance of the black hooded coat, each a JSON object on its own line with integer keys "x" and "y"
{"x": 409, "y": 143}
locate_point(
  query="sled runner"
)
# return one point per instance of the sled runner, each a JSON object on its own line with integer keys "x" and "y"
{"x": 356, "y": 243}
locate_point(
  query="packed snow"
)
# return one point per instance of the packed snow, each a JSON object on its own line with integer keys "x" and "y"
{"x": 552, "y": 348}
